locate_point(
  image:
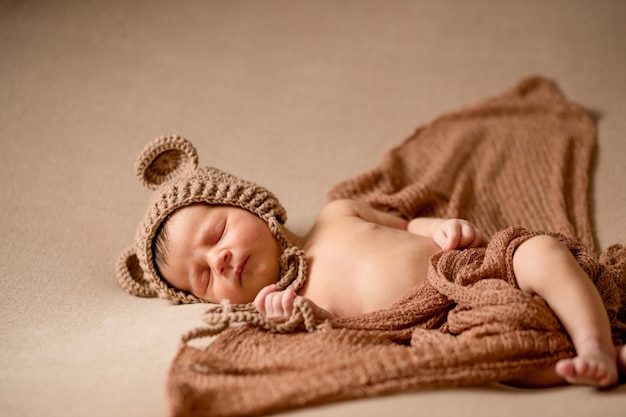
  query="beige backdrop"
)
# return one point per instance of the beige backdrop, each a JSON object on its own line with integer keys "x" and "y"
{"x": 296, "y": 95}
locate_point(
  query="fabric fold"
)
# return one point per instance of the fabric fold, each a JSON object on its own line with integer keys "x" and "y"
{"x": 516, "y": 165}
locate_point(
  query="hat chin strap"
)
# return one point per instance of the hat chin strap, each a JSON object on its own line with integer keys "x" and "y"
{"x": 294, "y": 268}
{"x": 219, "y": 317}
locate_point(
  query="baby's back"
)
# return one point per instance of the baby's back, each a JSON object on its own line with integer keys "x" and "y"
{"x": 357, "y": 266}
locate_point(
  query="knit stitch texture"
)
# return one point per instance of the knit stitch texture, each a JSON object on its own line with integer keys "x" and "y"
{"x": 512, "y": 164}
{"x": 169, "y": 166}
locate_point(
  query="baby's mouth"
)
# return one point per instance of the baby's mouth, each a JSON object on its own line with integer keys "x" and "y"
{"x": 240, "y": 268}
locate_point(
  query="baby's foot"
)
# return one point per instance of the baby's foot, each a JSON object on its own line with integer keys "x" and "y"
{"x": 593, "y": 366}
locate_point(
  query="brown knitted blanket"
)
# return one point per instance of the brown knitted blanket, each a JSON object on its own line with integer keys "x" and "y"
{"x": 519, "y": 159}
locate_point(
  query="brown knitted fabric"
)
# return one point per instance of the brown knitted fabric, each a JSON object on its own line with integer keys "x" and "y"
{"x": 168, "y": 165}
{"x": 466, "y": 326}
{"x": 521, "y": 158}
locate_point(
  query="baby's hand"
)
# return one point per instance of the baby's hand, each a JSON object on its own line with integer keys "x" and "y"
{"x": 279, "y": 304}
{"x": 275, "y": 304}
{"x": 456, "y": 234}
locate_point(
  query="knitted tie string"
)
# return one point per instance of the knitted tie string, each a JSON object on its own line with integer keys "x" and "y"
{"x": 221, "y": 316}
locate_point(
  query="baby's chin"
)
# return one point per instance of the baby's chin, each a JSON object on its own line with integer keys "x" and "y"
{"x": 244, "y": 297}
{"x": 233, "y": 300}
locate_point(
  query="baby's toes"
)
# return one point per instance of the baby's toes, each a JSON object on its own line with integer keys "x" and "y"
{"x": 565, "y": 368}
{"x": 593, "y": 372}
{"x": 588, "y": 371}
{"x": 601, "y": 374}
{"x": 582, "y": 367}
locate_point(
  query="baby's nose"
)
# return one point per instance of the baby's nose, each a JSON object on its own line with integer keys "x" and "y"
{"x": 221, "y": 261}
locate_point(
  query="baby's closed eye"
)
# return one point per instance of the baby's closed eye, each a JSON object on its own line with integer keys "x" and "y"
{"x": 216, "y": 233}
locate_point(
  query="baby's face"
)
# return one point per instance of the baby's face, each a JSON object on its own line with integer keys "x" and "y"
{"x": 220, "y": 252}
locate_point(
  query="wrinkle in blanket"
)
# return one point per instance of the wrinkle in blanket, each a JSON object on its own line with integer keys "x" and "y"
{"x": 511, "y": 164}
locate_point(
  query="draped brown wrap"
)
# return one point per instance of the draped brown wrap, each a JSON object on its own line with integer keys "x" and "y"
{"x": 512, "y": 164}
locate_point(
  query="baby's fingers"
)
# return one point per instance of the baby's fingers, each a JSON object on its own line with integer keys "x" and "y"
{"x": 282, "y": 303}
{"x": 261, "y": 298}
{"x": 457, "y": 234}
{"x": 468, "y": 236}
{"x": 448, "y": 236}
{"x": 479, "y": 239}
{"x": 275, "y": 304}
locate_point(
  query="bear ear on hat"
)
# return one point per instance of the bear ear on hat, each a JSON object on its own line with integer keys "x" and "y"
{"x": 165, "y": 158}
{"x": 131, "y": 277}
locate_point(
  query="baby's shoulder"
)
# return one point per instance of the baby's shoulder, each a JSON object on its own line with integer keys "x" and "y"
{"x": 333, "y": 219}
{"x": 341, "y": 209}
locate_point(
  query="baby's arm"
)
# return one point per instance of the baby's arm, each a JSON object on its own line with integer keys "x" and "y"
{"x": 279, "y": 304}
{"x": 545, "y": 267}
{"x": 351, "y": 208}
{"x": 448, "y": 234}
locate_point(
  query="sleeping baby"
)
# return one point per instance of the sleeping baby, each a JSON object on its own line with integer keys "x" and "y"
{"x": 210, "y": 236}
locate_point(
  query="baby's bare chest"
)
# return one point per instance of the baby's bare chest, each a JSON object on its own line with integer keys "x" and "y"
{"x": 359, "y": 269}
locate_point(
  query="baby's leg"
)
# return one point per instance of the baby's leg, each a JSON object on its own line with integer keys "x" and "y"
{"x": 545, "y": 267}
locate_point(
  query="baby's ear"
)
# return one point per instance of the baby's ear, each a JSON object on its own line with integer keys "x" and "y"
{"x": 165, "y": 158}
{"x": 131, "y": 277}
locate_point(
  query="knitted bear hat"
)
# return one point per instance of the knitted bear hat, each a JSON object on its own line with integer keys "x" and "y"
{"x": 169, "y": 166}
